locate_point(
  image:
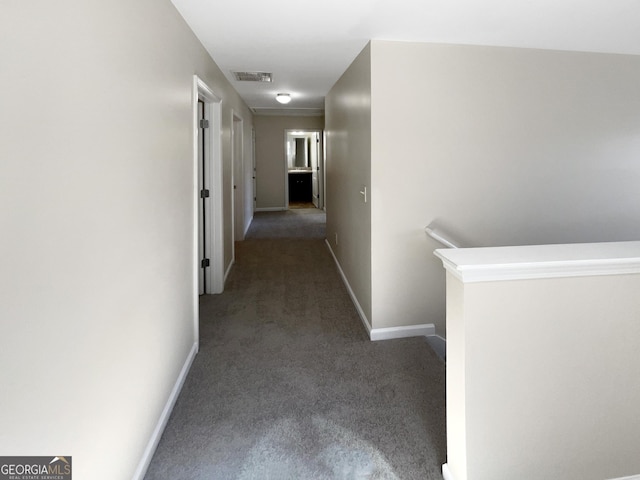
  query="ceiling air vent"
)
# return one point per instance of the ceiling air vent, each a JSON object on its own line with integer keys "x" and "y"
{"x": 252, "y": 76}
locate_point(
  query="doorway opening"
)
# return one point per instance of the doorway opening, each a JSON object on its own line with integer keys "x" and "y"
{"x": 304, "y": 167}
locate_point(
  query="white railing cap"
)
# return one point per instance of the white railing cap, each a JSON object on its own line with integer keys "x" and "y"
{"x": 487, "y": 264}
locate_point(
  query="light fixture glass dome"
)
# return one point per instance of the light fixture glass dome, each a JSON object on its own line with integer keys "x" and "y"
{"x": 283, "y": 98}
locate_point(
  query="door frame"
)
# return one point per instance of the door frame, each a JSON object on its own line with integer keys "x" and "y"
{"x": 214, "y": 238}
{"x": 253, "y": 170}
{"x": 203, "y": 204}
{"x": 237, "y": 178}
{"x": 321, "y": 163}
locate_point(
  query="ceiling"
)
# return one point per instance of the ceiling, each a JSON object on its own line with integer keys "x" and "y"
{"x": 308, "y": 45}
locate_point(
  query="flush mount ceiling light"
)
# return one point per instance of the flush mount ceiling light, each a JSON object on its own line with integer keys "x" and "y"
{"x": 283, "y": 98}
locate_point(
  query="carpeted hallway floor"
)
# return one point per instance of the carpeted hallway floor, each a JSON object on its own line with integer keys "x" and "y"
{"x": 287, "y": 385}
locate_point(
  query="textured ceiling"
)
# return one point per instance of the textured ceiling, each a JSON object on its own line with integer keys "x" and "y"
{"x": 308, "y": 45}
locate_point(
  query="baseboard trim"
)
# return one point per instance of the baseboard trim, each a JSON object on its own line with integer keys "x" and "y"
{"x": 354, "y": 299}
{"x": 375, "y": 334}
{"x": 439, "y": 345}
{"x": 446, "y": 473}
{"x": 143, "y": 465}
{"x": 423, "y": 330}
{"x": 226, "y": 274}
{"x": 247, "y": 227}
{"x": 271, "y": 209}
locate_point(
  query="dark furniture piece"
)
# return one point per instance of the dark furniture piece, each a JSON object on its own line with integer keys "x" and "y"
{"x": 300, "y": 187}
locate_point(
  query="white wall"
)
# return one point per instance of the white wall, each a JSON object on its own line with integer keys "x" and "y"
{"x": 270, "y": 155}
{"x": 96, "y": 208}
{"x": 348, "y": 169}
{"x": 499, "y": 146}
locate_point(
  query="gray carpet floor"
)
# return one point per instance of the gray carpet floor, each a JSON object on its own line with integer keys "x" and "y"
{"x": 287, "y": 385}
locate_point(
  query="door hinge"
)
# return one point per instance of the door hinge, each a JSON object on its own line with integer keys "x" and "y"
{"x": 204, "y": 193}
{"x": 204, "y": 263}
{"x": 204, "y": 123}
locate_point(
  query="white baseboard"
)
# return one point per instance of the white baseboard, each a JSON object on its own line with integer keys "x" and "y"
{"x": 632, "y": 477}
{"x": 354, "y": 299}
{"x": 247, "y": 226}
{"x": 439, "y": 345}
{"x": 143, "y": 465}
{"x": 271, "y": 209}
{"x": 424, "y": 330}
{"x": 446, "y": 473}
{"x": 226, "y": 274}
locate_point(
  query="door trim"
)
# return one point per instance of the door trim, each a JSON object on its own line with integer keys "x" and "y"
{"x": 321, "y": 163}
{"x": 213, "y": 158}
{"x": 238, "y": 179}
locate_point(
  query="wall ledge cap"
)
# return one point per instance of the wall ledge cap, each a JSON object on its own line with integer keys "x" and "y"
{"x": 491, "y": 264}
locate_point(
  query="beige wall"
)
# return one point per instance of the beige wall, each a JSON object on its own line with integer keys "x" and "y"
{"x": 96, "y": 207}
{"x": 270, "y": 156}
{"x": 542, "y": 378}
{"x": 348, "y": 169}
{"x": 499, "y": 146}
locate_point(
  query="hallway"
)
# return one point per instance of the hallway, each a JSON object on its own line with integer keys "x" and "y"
{"x": 288, "y": 386}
